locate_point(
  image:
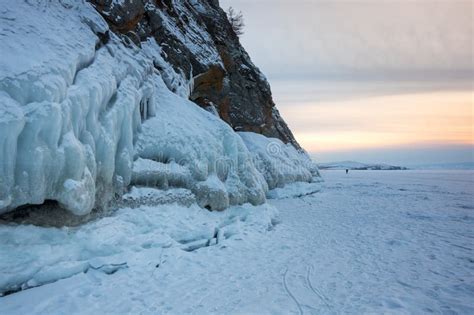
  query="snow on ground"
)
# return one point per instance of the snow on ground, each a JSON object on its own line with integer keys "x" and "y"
{"x": 295, "y": 190}
{"x": 32, "y": 256}
{"x": 369, "y": 242}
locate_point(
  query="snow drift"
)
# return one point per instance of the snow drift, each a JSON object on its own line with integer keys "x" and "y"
{"x": 84, "y": 112}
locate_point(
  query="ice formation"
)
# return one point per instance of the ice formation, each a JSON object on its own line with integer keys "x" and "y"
{"x": 53, "y": 106}
{"x": 33, "y": 255}
{"x": 192, "y": 148}
{"x": 280, "y": 163}
{"x": 87, "y": 112}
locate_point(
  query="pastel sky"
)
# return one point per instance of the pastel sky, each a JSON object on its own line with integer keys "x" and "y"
{"x": 379, "y": 80}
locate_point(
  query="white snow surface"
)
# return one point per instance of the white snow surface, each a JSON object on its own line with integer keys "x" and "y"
{"x": 32, "y": 256}
{"x": 80, "y": 119}
{"x": 294, "y": 190}
{"x": 369, "y": 242}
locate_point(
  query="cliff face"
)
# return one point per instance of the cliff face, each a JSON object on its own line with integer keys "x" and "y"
{"x": 198, "y": 41}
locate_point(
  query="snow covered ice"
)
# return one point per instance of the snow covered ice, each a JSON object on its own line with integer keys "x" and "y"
{"x": 368, "y": 242}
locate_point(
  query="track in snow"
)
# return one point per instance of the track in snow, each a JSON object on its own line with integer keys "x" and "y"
{"x": 397, "y": 242}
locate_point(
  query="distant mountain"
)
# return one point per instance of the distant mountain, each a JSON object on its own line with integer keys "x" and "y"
{"x": 445, "y": 166}
{"x": 352, "y": 165}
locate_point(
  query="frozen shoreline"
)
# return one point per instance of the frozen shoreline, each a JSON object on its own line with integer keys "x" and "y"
{"x": 373, "y": 241}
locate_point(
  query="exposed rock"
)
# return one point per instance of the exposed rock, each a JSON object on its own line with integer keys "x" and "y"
{"x": 208, "y": 83}
{"x": 198, "y": 41}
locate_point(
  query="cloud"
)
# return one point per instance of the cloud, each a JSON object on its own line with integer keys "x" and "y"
{"x": 363, "y": 38}
{"x": 420, "y": 53}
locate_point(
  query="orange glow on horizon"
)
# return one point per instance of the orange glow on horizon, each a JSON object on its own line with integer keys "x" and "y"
{"x": 432, "y": 118}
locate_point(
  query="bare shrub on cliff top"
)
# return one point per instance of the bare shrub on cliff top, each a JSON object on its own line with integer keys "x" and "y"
{"x": 236, "y": 20}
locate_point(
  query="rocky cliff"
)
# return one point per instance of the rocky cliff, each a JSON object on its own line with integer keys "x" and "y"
{"x": 197, "y": 39}
{"x": 96, "y": 97}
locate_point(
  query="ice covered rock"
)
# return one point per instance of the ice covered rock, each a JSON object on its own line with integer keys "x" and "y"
{"x": 70, "y": 107}
{"x": 90, "y": 110}
{"x": 198, "y": 41}
{"x": 138, "y": 196}
{"x": 207, "y": 155}
{"x": 212, "y": 193}
{"x": 279, "y": 163}
{"x": 162, "y": 175}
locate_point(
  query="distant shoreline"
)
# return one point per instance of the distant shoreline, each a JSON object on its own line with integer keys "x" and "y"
{"x": 358, "y": 166}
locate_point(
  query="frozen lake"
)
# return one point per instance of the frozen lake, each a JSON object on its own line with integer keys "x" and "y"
{"x": 369, "y": 242}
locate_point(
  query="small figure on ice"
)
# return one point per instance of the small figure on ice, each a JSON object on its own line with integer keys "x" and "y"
{"x": 347, "y": 170}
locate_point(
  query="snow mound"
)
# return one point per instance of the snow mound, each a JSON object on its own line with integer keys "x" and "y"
{"x": 32, "y": 256}
{"x": 280, "y": 163}
{"x": 295, "y": 190}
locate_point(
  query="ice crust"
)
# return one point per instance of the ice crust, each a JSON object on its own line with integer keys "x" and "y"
{"x": 32, "y": 256}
